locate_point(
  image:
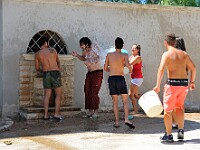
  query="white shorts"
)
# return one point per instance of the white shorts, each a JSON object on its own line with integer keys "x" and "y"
{"x": 137, "y": 81}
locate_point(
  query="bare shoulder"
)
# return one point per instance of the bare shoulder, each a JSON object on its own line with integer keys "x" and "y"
{"x": 166, "y": 54}
{"x": 37, "y": 53}
{"x": 138, "y": 57}
{"x": 52, "y": 50}
{"x": 124, "y": 54}
{"x": 110, "y": 54}
{"x": 185, "y": 53}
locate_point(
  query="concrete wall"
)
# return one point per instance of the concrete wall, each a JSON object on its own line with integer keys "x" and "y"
{"x": 102, "y": 22}
{"x": 1, "y": 58}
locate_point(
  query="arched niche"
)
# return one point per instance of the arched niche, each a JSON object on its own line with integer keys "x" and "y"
{"x": 55, "y": 41}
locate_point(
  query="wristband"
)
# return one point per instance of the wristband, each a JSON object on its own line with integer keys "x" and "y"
{"x": 191, "y": 82}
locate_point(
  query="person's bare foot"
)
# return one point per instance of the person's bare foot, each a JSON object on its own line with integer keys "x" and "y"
{"x": 116, "y": 125}
{"x": 133, "y": 112}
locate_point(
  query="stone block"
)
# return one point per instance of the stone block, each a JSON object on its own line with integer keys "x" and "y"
{"x": 24, "y": 92}
{"x": 24, "y": 98}
{"x": 24, "y": 63}
{"x": 38, "y": 83}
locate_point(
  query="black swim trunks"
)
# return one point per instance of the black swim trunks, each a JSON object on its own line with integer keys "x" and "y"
{"x": 52, "y": 79}
{"x": 117, "y": 85}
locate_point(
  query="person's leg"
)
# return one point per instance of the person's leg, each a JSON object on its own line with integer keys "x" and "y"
{"x": 169, "y": 100}
{"x": 180, "y": 117}
{"x": 96, "y": 81}
{"x": 126, "y": 108}
{"x": 46, "y": 102}
{"x": 168, "y": 122}
{"x": 87, "y": 90}
{"x": 180, "y": 107}
{"x": 58, "y": 92}
{"x": 115, "y": 109}
{"x": 180, "y": 111}
{"x": 174, "y": 119}
{"x": 133, "y": 91}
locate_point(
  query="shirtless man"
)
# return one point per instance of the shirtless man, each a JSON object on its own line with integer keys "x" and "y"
{"x": 176, "y": 88}
{"x": 48, "y": 58}
{"x": 115, "y": 63}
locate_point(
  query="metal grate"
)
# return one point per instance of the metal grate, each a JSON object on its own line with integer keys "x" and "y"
{"x": 55, "y": 41}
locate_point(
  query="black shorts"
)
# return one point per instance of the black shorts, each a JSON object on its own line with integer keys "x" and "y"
{"x": 117, "y": 85}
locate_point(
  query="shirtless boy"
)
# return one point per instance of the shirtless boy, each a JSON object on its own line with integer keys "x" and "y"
{"x": 48, "y": 58}
{"x": 176, "y": 88}
{"x": 115, "y": 63}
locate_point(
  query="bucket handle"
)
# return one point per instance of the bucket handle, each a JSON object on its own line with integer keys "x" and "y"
{"x": 149, "y": 94}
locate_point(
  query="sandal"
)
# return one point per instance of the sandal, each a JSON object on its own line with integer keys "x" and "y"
{"x": 44, "y": 118}
{"x": 116, "y": 126}
{"x": 130, "y": 125}
{"x": 57, "y": 118}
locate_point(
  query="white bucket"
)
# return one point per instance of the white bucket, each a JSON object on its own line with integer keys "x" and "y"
{"x": 151, "y": 104}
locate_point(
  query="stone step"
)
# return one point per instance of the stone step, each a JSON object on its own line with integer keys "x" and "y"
{"x": 38, "y": 112}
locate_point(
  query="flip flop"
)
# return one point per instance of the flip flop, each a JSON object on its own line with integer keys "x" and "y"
{"x": 57, "y": 118}
{"x": 46, "y": 118}
{"x": 130, "y": 125}
{"x": 116, "y": 126}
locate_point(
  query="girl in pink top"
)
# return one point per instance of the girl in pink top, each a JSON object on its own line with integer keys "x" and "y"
{"x": 136, "y": 76}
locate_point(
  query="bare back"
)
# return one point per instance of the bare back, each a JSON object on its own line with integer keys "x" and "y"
{"x": 48, "y": 59}
{"x": 116, "y": 62}
{"x": 176, "y": 63}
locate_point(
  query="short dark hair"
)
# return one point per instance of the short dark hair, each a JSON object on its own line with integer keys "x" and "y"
{"x": 86, "y": 41}
{"x": 42, "y": 40}
{"x": 170, "y": 38}
{"x": 180, "y": 44}
{"x": 119, "y": 43}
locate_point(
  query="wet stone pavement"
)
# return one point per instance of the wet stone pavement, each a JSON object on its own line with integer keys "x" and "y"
{"x": 78, "y": 133}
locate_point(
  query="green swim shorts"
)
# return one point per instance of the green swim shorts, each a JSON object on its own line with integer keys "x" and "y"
{"x": 52, "y": 79}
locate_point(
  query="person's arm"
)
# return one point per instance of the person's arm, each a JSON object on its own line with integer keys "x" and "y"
{"x": 160, "y": 72}
{"x": 106, "y": 68}
{"x": 36, "y": 63}
{"x": 127, "y": 64}
{"x": 134, "y": 60}
{"x": 192, "y": 69}
{"x": 57, "y": 59}
{"x": 80, "y": 57}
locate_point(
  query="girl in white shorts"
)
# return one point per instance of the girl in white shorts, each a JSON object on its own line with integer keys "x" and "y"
{"x": 136, "y": 76}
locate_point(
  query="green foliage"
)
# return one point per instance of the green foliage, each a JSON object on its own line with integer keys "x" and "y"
{"x": 179, "y": 2}
{"x": 193, "y": 3}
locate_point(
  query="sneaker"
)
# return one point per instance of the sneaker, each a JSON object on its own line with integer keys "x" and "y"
{"x": 180, "y": 134}
{"x": 87, "y": 116}
{"x": 167, "y": 138}
{"x": 95, "y": 116}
